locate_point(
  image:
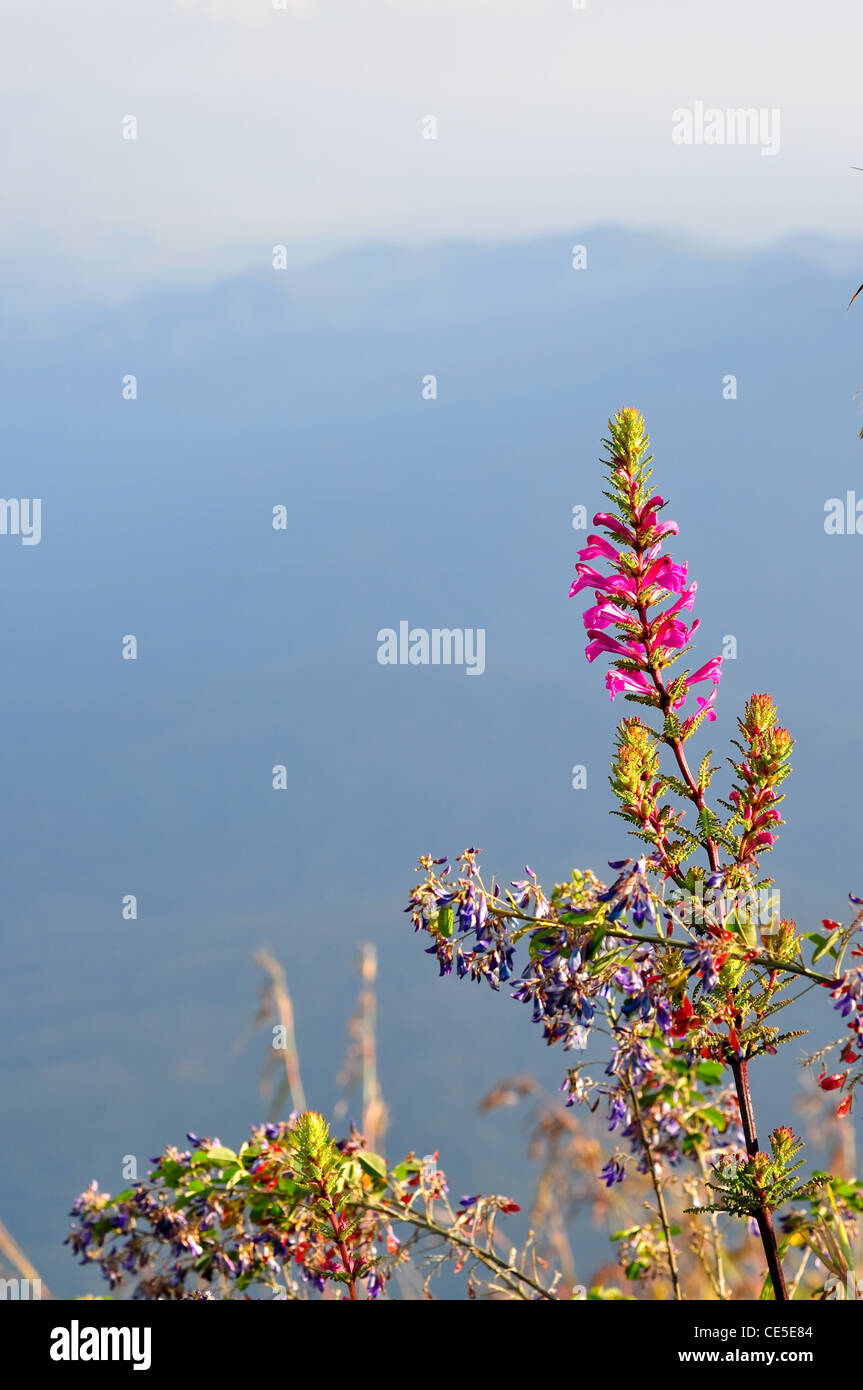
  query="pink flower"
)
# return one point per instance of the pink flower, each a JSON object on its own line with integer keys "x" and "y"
{"x": 643, "y": 517}
{"x": 613, "y": 523}
{"x": 673, "y": 634}
{"x": 589, "y": 578}
{"x": 686, "y": 600}
{"x": 665, "y": 574}
{"x": 628, "y": 682}
{"x": 762, "y": 838}
{"x": 595, "y": 547}
{"x": 605, "y": 613}
{"x": 708, "y": 672}
{"x": 601, "y": 643}
{"x": 705, "y": 707}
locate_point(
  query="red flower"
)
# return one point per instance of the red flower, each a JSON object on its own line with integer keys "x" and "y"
{"x": 832, "y": 1083}
{"x": 682, "y": 1020}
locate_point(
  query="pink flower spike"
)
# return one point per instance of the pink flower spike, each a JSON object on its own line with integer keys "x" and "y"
{"x": 627, "y": 682}
{"x": 597, "y": 547}
{"x": 668, "y": 528}
{"x": 613, "y": 523}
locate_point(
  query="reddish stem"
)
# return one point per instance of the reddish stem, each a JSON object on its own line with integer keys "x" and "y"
{"x": 347, "y": 1262}
{"x": 762, "y": 1216}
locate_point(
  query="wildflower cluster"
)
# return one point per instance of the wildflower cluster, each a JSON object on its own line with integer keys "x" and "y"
{"x": 289, "y": 1214}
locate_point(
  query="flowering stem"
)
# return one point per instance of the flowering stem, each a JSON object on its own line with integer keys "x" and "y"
{"x": 337, "y": 1225}
{"x": 345, "y": 1257}
{"x": 696, "y": 795}
{"x": 762, "y": 1215}
{"x": 768, "y": 962}
{"x": 660, "y": 1198}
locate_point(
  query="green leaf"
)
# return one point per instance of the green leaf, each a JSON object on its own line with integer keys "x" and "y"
{"x": 710, "y": 1072}
{"x": 714, "y": 1117}
{"x": 828, "y": 947}
{"x": 596, "y": 940}
{"x": 405, "y": 1169}
{"x": 219, "y": 1154}
{"x": 374, "y": 1166}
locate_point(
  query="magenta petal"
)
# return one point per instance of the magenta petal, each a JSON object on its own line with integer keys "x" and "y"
{"x": 604, "y": 613}
{"x": 628, "y": 682}
{"x": 686, "y": 600}
{"x": 597, "y": 547}
{"x": 708, "y": 672}
{"x": 601, "y": 643}
{"x": 613, "y": 523}
{"x": 589, "y": 578}
{"x": 666, "y": 575}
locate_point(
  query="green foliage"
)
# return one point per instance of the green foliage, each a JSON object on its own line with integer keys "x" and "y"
{"x": 761, "y": 1183}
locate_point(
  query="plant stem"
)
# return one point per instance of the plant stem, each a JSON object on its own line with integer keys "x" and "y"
{"x": 347, "y": 1262}
{"x": 717, "y": 1278}
{"x": 762, "y": 1216}
{"x": 511, "y": 1275}
{"x": 660, "y": 1197}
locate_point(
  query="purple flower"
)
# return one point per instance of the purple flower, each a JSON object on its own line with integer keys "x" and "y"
{"x": 632, "y": 1059}
{"x": 699, "y": 961}
{"x": 614, "y": 1171}
{"x": 630, "y": 892}
{"x": 618, "y": 1111}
